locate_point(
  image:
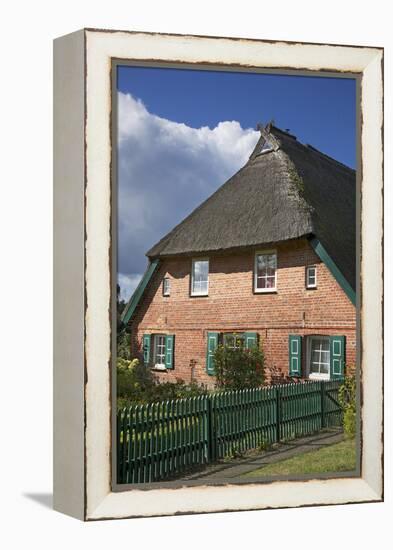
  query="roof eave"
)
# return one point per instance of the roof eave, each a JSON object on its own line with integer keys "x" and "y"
{"x": 325, "y": 257}
{"x": 228, "y": 250}
{"x": 138, "y": 292}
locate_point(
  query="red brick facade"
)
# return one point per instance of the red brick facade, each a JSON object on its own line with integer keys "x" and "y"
{"x": 232, "y": 306}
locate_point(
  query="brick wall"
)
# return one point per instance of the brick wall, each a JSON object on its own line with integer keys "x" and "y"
{"x": 233, "y": 306}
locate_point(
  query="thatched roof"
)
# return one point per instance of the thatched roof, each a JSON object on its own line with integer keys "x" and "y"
{"x": 286, "y": 190}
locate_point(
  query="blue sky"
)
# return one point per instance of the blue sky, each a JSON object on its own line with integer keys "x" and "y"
{"x": 182, "y": 133}
{"x": 318, "y": 110}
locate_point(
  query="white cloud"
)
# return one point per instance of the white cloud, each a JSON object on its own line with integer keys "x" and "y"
{"x": 166, "y": 169}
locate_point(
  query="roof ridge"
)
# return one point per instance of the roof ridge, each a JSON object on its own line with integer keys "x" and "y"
{"x": 309, "y": 146}
{"x": 328, "y": 157}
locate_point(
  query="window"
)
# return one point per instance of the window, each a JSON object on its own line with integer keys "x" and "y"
{"x": 319, "y": 357}
{"x": 265, "y": 272}
{"x": 159, "y": 351}
{"x": 234, "y": 340}
{"x": 311, "y": 276}
{"x": 166, "y": 286}
{"x": 200, "y": 278}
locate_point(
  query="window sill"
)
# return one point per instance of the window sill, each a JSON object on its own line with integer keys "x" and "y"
{"x": 318, "y": 377}
{"x": 270, "y": 291}
{"x": 158, "y": 368}
{"x": 199, "y": 295}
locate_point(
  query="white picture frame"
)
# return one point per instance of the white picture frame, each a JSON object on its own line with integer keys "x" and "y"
{"x": 83, "y": 280}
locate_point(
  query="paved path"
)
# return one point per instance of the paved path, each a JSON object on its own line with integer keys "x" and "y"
{"x": 239, "y": 466}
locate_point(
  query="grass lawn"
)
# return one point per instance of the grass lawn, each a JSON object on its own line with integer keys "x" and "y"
{"x": 340, "y": 457}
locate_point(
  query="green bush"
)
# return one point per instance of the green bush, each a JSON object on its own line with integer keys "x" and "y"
{"x": 136, "y": 385}
{"x": 134, "y": 381}
{"x": 238, "y": 368}
{"x": 124, "y": 344}
{"x": 347, "y": 400}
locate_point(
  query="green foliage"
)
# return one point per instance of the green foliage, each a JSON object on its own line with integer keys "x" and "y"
{"x": 134, "y": 381}
{"x": 347, "y": 400}
{"x": 124, "y": 344}
{"x": 136, "y": 385}
{"x": 123, "y": 332}
{"x": 296, "y": 181}
{"x": 238, "y": 368}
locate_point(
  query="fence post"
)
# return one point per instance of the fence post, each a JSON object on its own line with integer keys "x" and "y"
{"x": 118, "y": 447}
{"x": 278, "y": 414}
{"x": 208, "y": 430}
{"x": 323, "y": 425}
{"x": 212, "y": 428}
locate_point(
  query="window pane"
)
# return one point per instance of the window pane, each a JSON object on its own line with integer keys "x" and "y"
{"x": 201, "y": 270}
{"x": 203, "y": 286}
{"x": 229, "y": 340}
{"x": 320, "y": 356}
{"x": 315, "y": 356}
{"x": 311, "y": 276}
{"x": 266, "y": 271}
{"x": 160, "y": 350}
{"x": 314, "y": 368}
{"x": 262, "y": 262}
{"x": 234, "y": 341}
{"x": 200, "y": 277}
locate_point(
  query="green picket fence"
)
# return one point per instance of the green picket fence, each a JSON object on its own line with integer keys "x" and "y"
{"x": 161, "y": 440}
{"x": 155, "y": 441}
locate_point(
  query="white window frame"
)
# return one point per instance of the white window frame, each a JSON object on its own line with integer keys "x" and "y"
{"x": 264, "y": 290}
{"x": 158, "y": 366}
{"x": 315, "y": 375}
{"x": 194, "y": 261}
{"x": 166, "y": 291}
{"x": 308, "y": 285}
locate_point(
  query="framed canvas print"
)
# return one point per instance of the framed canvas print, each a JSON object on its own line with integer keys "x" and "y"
{"x": 218, "y": 274}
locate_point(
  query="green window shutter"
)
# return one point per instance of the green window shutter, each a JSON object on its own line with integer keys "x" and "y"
{"x": 295, "y": 355}
{"x": 337, "y": 356}
{"x": 212, "y": 343}
{"x": 250, "y": 340}
{"x": 169, "y": 349}
{"x": 146, "y": 349}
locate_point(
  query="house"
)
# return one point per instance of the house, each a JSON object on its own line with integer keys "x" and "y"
{"x": 269, "y": 259}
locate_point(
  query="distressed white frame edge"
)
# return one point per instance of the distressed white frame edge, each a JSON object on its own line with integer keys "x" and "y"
{"x": 69, "y": 276}
{"x": 99, "y": 501}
